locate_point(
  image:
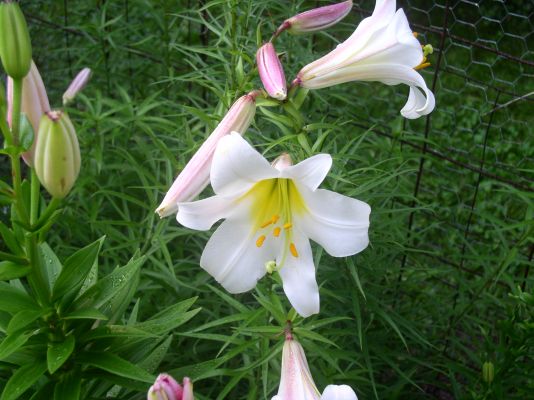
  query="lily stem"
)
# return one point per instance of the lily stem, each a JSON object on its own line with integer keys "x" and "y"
{"x": 15, "y": 158}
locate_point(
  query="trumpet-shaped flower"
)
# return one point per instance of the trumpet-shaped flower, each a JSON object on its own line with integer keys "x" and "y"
{"x": 166, "y": 388}
{"x": 296, "y": 382}
{"x": 196, "y": 175}
{"x": 271, "y": 71}
{"x": 383, "y": 48}
{"x": 271, "y": 212}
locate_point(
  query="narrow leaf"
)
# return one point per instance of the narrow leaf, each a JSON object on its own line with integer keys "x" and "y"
{"x": 116, "y": 365}
{"x": 9, "y": 270}
{"x": 23, "y": 379}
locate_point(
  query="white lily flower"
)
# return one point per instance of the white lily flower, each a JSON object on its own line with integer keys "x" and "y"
{"x": 271, "y": 212}
{"x": 296, "y": 381}
{"x": 383, "y": 48}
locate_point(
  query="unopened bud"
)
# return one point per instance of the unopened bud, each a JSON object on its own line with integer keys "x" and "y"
{"x": 271, "y": 71}
{"x": 57, "y": 154}
{"x": 15, "y": 44}
{"x": 166, "y": 388}
{"x": 283, "y": 161}
{"x": 316, "y": 19}
{"x": 488, "y": 372}
{"x": 195, "y": 176}
{"x": 77, "y": 85}
{"x": 34, "y": 104}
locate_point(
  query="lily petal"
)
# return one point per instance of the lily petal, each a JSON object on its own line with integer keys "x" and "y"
{"x": 392, "y": 74}
{"x": 338, "y": 223}
{"x": 338, "y": 392}
{"x": 310, "y": 172}
{"x": 237, "y": 166}
{"x": 233, "y": 258}
{"x": 298, "y": 276}
{"x": 202, "y": 214}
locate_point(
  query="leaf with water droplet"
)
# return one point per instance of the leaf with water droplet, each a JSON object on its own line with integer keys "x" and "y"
{"x": 58, "y": 353}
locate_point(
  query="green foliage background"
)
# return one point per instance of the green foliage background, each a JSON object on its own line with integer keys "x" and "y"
{"x": 434, "y": 296}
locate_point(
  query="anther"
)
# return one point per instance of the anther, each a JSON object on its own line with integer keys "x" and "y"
{"x": 422, "y": 66}
{"x": 288, "y": 225}
{"x": 275, "y": 219}
{"x": 266, "y": 224}
{"x": 293, "y": 250}
{"x": 415, "y": 34}
{"x": 277, "y": 231}
{"x": 260, "y": 241}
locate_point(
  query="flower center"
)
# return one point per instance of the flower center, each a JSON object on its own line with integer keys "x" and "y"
{"x": 274, "y": 202}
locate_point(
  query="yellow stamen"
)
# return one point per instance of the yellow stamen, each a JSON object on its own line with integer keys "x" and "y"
{"x": 266, "y": 224}
{"x": 275, "y": 219}
{"x": 288, "y": 225}
{"x": 276, "y": 231}
{"x": 415, "y": 34}
{"x": 260, "y": 241}
{"x": 293, "y": 250}
{"x": 422, "y": 66}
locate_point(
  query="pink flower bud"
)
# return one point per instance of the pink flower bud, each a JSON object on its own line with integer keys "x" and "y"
{"x": 316, "y": 19}
{"x": 188, "y": 389}
{"x": 165, "y": 388}
{"x": 34, "y": 104}
{"x": 195, "y": 176}
{"x": 77, "y": 85}
{"x": 271, "y": 71}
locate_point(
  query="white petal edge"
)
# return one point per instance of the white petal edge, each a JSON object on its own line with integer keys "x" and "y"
{"x": 338, "y": 223}
{"x": 202, "y": 214}
{"x": 232, "y": 257}
{"x": 298, "y": 276}
{"x": 392, "y": 74}
{"x": 237, "y": 166}
{"x": 339, "y": 392}
{"x": 310, "y": 172}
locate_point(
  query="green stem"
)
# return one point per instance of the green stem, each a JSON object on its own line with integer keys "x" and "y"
{"x": 15, "y": 159}
{"x": 5, "y": 130}
{"x": 15, "y": 116}
{"x": 34, "y": 198}
{"x": 15, "y": 259}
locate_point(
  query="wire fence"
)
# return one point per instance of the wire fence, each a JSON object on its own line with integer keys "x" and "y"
{"x": 473, "y": 181}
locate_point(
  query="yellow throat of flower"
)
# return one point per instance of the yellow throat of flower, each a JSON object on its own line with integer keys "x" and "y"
{"x": 274, "y": 203}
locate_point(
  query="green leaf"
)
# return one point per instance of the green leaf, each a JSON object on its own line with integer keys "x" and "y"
{"x": 115, "y": 331}
{"x": 48, "y": 268}
{"x": 151, "y": 362}
{"x": 23, "y": 318}
{"x": 75, "y": 270}
{"x": 105, "y": 290}
{"x": 14, "y": 300}
{"x": 169, "y": 319}
{"x": 23, "y": 379}
{"x": 9, "y": 270}
{"x": 58, "y": 353}
{"x": 116, "y": 365}
{"x": 13, "y": 342}
{"x": 26, "y": 132}
{"x": 69, "y": 387}
{"x": 9, "y": 239}
{"x": 90, "y": 313}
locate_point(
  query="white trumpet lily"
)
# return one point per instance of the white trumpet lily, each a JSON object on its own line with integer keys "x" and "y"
{"x": 383, "y": 48}
{"x": 296, "y": 381}
{"x": 271, "y": 212}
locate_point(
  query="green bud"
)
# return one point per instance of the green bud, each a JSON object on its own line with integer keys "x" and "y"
{"x": 488, "y": 372}
{"x": 57, "y": 154}
{"x": 15, "y": 44}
